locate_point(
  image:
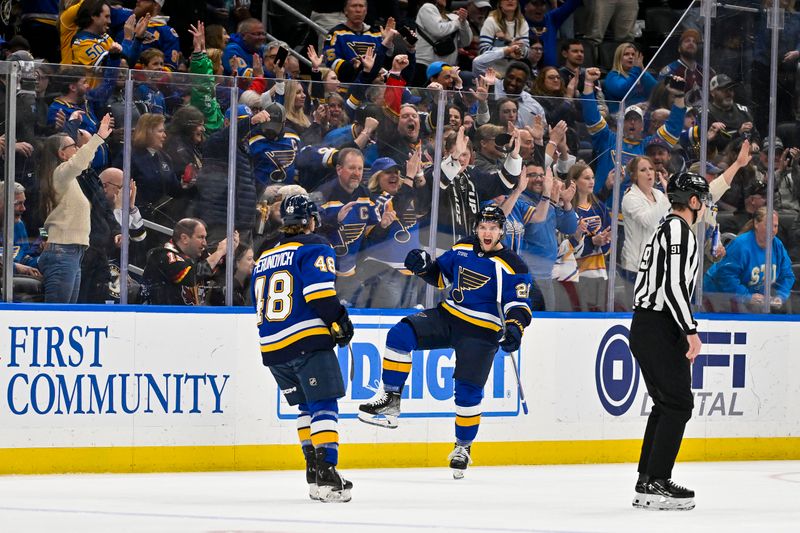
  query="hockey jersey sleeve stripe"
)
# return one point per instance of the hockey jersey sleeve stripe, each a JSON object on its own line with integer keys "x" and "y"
{"x": 291, "y": 339}
{"x": 300, "y": 326}
{"x": 466, "y": 247}
{"x": 511, "y": 305}
{"x": 182, "y": 274}
{"x": 318, "y": 287}
{"x": 596, "y": 127}
{"x": 671, "y": 139}
{"x": 397, "y": 357}
{"x": 452, "y": 309}
{"x": 320, "y": 294}
{"x": 505, "y": 266}
{"x": 397, "y": 367}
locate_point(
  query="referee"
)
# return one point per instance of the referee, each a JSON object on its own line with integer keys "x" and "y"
{"x": 664, "y": 340}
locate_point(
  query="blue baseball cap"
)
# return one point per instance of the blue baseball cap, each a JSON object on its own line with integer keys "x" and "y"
{"x": 658, "y": 142}
{"x": 242, "y": 111}
{"x": 435, "y": 68}
{"x": 384, "y": 163}
{"x": 410, "y": 98}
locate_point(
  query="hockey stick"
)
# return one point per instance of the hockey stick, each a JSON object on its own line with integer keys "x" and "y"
{"x": 499, "y": 274}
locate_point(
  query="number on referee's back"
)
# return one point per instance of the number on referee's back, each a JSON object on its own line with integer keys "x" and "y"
{"x": 646, "y": 255}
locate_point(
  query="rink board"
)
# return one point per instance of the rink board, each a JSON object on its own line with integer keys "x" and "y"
{"x": 110, "y": 389}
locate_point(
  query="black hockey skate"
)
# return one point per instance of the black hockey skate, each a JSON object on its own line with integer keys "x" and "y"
{"x": 459, "y": 461}
{"x": 331, "y": 485}
{"x": 639, "y": 490}
{"x": 664, "y": 495}
{"x": 382, "y": 410}
{"x": 311, "y": 472}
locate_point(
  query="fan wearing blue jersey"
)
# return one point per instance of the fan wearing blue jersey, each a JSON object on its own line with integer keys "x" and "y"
{"x": 300, "y": 320}
{"x": 488, "y": 305}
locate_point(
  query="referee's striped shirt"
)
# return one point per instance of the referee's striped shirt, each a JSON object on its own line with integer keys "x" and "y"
{"x": 667, "y": 272}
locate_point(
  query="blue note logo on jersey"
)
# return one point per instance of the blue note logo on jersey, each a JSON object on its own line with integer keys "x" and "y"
{"x": 468, "y": 280}
{"x": 616, "y": 372}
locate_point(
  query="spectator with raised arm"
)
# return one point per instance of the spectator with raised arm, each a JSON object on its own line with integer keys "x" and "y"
{"x": 203, "y": 95}
{"x": 65, "y": 210}
{"x": 249, "y": 39}
{"x": 401, "y": 198}
{"x": 604, "y": 140}
{"x": 545, "y": 23}
{"x": 351, "y": 39}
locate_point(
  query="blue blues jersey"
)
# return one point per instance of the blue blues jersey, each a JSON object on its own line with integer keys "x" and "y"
{"x": 345, "y": 44}
{"x": 390, "y": 245}
{"x": 274, "y": 161}
{"x": 483, "y": 285}
{"x": 347, "y": 236}
{"x": 288, "y": 284}
{"x": 741, "y": 273}
{"x": 339, "y": 137}
{"x": 591, "y": 258}
{"x": 149, "y": 98}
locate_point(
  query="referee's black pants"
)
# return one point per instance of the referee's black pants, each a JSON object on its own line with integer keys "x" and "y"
{"x": 660, "y": 346}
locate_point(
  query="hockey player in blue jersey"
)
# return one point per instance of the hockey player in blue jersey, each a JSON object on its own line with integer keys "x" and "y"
{"x": 488, "y": 305}
{"x": 299, "y": 321}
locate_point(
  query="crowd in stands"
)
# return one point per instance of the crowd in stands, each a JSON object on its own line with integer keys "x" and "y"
{"x": 530, "y": 93}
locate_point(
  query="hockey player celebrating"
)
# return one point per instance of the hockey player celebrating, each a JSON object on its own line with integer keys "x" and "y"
{"x": 488, "y": 304}
{"x": 299, "y": 318}
{"x": 664, "y": 340}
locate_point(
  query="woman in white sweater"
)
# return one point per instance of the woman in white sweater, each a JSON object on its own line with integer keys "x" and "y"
{"x": 66, "y": 210}
{"x": 643, "y": 206}
{"x": 437, "y": 24}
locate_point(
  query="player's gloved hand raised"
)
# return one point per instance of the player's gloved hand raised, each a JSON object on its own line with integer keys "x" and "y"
{"x": 342, "y": 329}
{"x": 512, "y": 339}
{"x": 418, "y": 261}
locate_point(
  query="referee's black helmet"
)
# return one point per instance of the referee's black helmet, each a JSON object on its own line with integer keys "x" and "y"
{"x": 683, "y": 185}
{"x": 299, "y": 209}
{"x": 491, "y": 213}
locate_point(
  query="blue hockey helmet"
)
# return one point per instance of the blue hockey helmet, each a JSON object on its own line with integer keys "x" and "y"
{"x": 491, "y": 213}
{"x": 299, "y": 209}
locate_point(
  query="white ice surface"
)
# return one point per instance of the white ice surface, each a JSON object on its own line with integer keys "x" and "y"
{"x": 738, "y": 496}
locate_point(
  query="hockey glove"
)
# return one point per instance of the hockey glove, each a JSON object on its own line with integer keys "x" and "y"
{"x": 418, "y": 261}
{"x": 513, "y": 337}
{"x": 342, "y": 329}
